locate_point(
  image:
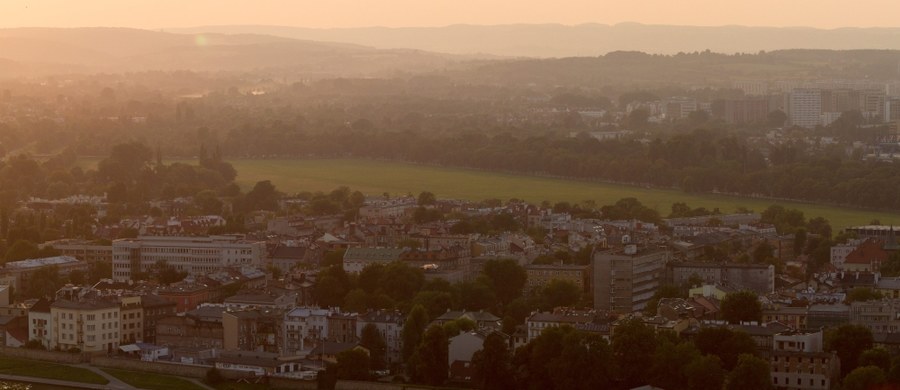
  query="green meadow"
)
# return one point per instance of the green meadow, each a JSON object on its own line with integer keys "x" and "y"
{"x": 377, "y": 177}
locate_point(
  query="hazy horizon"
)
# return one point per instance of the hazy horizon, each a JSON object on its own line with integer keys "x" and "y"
{"x": 155, "y": 15}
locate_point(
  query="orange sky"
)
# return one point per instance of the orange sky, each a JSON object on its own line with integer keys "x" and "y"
{"x": 405, "y": 13}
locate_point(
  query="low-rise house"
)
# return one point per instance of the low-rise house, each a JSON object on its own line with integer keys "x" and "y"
{"x": 461, "y": 349}
{"x": 198, "y": 328}
{"x": 304, "y": 328}
{"x": 258, "y": 363}
{"x": 144, "y": 351}
{"x": 585, "y": 319}
{"x": 186, "y": 296}
{"x": 888, "y": 287}
{"x": 794, "y": 317}
{"x": 328, "y": 351}
{"x": 827, "y": 315}
{"x": 342, "y": 327}
{"x": 880, "y": 316}
{"x": 154, "y": 308}
{"x": 867, "y": 257}
{"x": 481, "y": 319}
{"x": 13, "y": 331}
{"x": 355, "y": 259}
{"x": 257, "y": 330}
{"x": 19, "y": 273}
{"x": 717, "y": 291}
{"x": 40, "y": 323}
{"x": 540, "y": 275}
{"x": 260, "y": 300}
{"x": 90, "y": 326}
{"x": 285, "y": 258}
{"x": 759, "y": 278}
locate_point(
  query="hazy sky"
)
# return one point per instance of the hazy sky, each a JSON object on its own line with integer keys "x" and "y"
{"x": 406, "y": 13}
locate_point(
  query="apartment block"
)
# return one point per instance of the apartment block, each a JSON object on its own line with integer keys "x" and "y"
{"x": 624, "y": 280}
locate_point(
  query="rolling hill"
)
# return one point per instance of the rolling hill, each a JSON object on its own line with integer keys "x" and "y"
{"x": 30, "y": 51}
{"x": 555, "y": 40}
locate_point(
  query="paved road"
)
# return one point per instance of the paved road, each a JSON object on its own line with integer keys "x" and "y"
{"x": 54, "y": 382}
{"x": 114, "y": 383}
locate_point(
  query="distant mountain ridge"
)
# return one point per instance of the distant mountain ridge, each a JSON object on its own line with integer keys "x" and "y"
{"x": 41, "y": 51}
{"x": 554, "y": 40}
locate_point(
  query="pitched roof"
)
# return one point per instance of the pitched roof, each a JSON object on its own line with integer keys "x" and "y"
{"x": 869, "y": 252}
{"x": 41, "y": 306}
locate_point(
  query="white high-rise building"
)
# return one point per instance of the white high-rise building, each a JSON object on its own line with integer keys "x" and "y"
{"x": 194, "y": 255}
{"x": 805, "y": 106}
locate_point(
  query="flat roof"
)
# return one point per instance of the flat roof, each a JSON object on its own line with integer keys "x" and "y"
{"x": 41, "y": 262}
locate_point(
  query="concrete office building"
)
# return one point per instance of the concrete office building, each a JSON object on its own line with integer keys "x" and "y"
{"x": 194, "y": 255}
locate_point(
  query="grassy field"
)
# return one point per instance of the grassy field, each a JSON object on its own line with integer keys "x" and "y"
{"x": 39, "y": 369}
{"x": 146, "y": 380}
{"x": 372, "y": 177}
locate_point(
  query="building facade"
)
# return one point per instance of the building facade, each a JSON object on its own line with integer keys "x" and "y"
{"x": 625, "y": 280}
{"x": 194, "y": 255}
{"x": 91, "y": 326}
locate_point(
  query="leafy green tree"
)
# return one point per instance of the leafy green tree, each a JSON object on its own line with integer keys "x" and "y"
{"x": 862, "y": 294}
{"x": 878, "y": 357}
{"x": 893, "y": 375}
{"x": 413, "y": 329}
{"x": 352, "y": 364}
{"x": 371, "y": 339}
{"x": 21, "y": 250}
{"x": 435, "y": 302}
{"x": 559, "y": 293}
{"x": 563, "y": 358}
{"x": 820, "y": 226}
{"x": 633, "y": 345}
{"x": 263, "y": 196}
{"x": 476, "y": 295}
{"x": 44, "y": 283}
{"x": 725, "y": 344}
{"x": 849, "y": 341}
{"x": 332, "y": 286}
{"x": 864, "y": 378}
{"x": 426, "y": 198}
{"x": 207, "y": 201}
{"x": 776, "y": 118}
{"x": 100, "y": 270}
{"x": 705, "y": 373}
{"x": 77, "y": 277}
{"x": 400, "y": 281}
{"x": 167, "y": 274}
{"x": 751, "y": 373}
{"x": 668, "y": 369}
{"x": 431, "y": 357}
{"x": 493, "y": 364}
{"x": 891, "y": 267}
{"x": 799, "y": 241}
{"x": 741, "y": 306}
{"x": 507, "y": 278}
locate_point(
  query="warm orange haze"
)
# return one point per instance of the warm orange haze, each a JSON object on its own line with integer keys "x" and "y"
{"x": 152, "y": 14}
{"x": 492, "y": 194}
